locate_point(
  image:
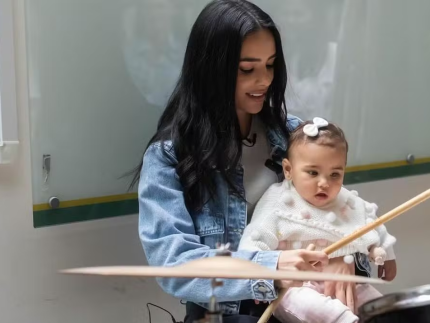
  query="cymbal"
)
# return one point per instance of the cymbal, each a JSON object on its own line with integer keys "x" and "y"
{"x": 219, "y": 267}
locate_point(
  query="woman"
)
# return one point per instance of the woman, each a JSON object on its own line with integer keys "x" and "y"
{"x": 225, "y": 121}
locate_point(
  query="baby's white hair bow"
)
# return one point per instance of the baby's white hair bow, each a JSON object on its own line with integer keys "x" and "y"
{"x": 311, "y": 130}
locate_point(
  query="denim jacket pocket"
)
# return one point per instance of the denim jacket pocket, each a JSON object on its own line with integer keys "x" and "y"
{"x": 210, "y": 228}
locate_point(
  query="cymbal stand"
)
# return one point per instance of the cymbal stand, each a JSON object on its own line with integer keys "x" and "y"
{"x": 213, "y": 314}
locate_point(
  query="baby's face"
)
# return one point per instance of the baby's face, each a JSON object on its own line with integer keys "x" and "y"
{"x": 317, "y": 172}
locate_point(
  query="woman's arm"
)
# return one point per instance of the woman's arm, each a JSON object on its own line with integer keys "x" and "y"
{"x": 168, "y": 236}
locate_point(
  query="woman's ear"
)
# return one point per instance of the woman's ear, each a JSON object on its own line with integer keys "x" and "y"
{"x": 286, "y": 167}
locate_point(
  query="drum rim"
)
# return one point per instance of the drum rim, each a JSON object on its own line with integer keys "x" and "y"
{"x": 404, "y": 299}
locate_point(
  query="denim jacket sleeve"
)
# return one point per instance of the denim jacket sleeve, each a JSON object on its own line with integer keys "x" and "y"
{"x": 168, "y": 235}
{"x": 293, "y": 122}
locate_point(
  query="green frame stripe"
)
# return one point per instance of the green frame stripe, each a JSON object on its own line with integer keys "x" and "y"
{"x": 52, "y": 217}
{"x": 373, "y": 175}
{"x": 105, "y": 210}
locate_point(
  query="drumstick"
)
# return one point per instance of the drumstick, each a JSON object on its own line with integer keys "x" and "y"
{"x": 272, "y": 306}
{"x": 381, "y": 220}
{"x": 355, "y": 235}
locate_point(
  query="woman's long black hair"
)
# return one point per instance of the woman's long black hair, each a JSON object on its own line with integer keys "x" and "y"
{"x": 200, "y": 117}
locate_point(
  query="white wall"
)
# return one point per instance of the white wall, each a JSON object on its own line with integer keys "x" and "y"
{"x": 8, "y": 118}
{"x": 32, "y": 291}
{"x": 30, "y": 288}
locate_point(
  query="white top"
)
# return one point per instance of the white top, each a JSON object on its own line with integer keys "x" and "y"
{"x": 283, "y": 215}
{"x": 257, "y": 178}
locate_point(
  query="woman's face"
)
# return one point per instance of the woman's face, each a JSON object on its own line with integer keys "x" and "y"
{"x": 255, "y": 72}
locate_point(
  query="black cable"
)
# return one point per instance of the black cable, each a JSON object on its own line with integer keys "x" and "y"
{"x": 149, "y": 312}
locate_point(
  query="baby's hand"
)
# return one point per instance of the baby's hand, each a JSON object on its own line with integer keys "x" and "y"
{"x": 377, "y": 255}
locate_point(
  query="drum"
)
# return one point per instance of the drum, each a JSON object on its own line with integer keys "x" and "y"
{"x": 412, "y": 305}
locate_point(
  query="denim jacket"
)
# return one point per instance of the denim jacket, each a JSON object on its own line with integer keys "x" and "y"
{"x": 171, "y": 236}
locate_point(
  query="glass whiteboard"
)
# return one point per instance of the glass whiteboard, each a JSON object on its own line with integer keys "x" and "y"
{"x": 100, "y": 73}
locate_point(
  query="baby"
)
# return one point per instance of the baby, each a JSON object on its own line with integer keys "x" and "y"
{"x": 312, "y": 207}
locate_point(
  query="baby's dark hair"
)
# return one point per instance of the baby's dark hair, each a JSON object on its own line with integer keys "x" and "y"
{"x": 331, "y": 136}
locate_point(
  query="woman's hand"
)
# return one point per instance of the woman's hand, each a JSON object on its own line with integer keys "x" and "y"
{"x": 343, "y": 291}
{"x": 300, "y": 260}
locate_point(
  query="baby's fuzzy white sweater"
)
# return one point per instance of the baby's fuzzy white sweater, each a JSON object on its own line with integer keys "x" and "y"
{"x": 283, "y": 215}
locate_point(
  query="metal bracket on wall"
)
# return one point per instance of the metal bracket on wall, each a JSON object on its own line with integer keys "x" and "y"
{"x": 46, "y": 166}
